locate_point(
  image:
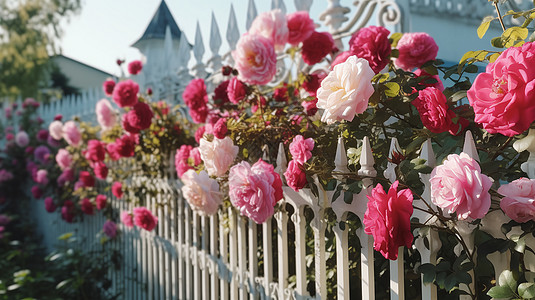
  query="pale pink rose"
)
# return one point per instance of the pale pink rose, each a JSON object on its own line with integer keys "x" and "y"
{"x": 22, "y": 139}
{"x": 502, "y": 96}
{"x": 64, "y": 159}
{"x": 106, "y": 116}
{"x": 300, "y": 149}
{"x": 518, "y": 202}
{"x": 458, "y": 186}
{"x": 218, "y": 155}
{"x": 255, "y": 190}
{"x": 56, "y": 130}
{"x": 273, "y": 26}
{"x": 255, "y": 59}
{"x": 345, "y": 92}
{"x": 72, "y": 134}
{"x": 415, "y": 49}
{"x": 41, "y": 177}
{"x": 127, "y": 219}
{"x": 300, "y": 27}
{"x": 201, "y": 192}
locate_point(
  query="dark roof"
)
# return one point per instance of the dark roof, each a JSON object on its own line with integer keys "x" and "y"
{"x": 83, "y": 64}
{"x": 156, "y": 28}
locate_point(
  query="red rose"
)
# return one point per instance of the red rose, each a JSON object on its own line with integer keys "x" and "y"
{"x": 134, "y": 67}
{"x": 220, "y": 93}
{"x": 126, "y": 145}
{"x": 195, "y": 94}
{"x": 95, "y": 151}
{"x": 236, "y": 90}
{"x": 87, "y": 179}
{"x": 108, "y": 87}
{"x": 200, "y": 133}
{"x": 281, "y": 94}
{"x": 67, "y": 211}
{"x": 220, "y": 128}
{"x": 140, "y": 117}
{"x": 144, "y": 218}
{"x": 101, "y": 201}
{"x": 87, "y": 207}
{"x": 300, "y": 27}
{"x": 126, "y": 125}
{"x": 312, "y": 83}
{"x": 316, "y": 47}
{"x": 100, "y": 169}
{"x": 388, "y": 219}
{"x": 434, "y": 111}
{"x": 125, "y": 93}
{"x": 372, "y": 44}
{"x": 199, "y": 114}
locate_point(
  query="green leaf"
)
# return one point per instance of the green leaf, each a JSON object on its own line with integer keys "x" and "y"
{"x": 527, "y": 290}
{"x": 507, "y": 279}
{"x": 513, "y": 34}
{"x": 63, "y": 283}
{"x": 392, "y": 89}
{"x": 65, "y": 236}
{"x": 500, "y": 292}
{"x": 482, "y": 29}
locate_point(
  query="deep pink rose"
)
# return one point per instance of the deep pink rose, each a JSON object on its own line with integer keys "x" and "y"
{"x": 37, "y": 193}
{"x": 87, "y": 207}
{"x": 42, "y": 135}
{"x": 236, "y": 90}
{"x": 100, "y": 169}
{"x": 67, "y": 211}
{"x": 134, "y": 67}
{"x": 108, "y": 87}
{"x": 181, "y": 160}
{"x": 140, "y": 117}
{"x": 255, "y": 190}
{"x": 415, "y": 49}
{"x": 458, "y": 186}
{"x": 126, "y": 145}
{"x": 144, "y": 218}
{"x": 10, "y": 137}
{"x": 295, "y": 176}
{"x": 313, "y": 82}
{"x": 96, "y": 151}
{"x": 126, "y": 125}
{"x": 255, "y": 59}
{"x": 388, "y": 219}
{"x": 199, "y": 133}
{"x": 271, "y": 25}
{"x": 372, "y": 44}
{"x": 42, "y": 154}
{"x": 72, "y": 134}
{"x": 434, "y": 111}
{"x": 49, "y": 204}
{"x": 502, "y": 97}
{"x": 301, "y": 148}
{"x": 125, "y": 93}
{"x": 518, "y": 202}
{"x": 58, "y": 117}
{"x": 66, "y": 176}
{"x": 110, "y": 229}
{"x": 310, "y": 106}
{"x": 220, "y": 128}
{"x": 300, "y": 27}
{"x": 316, "y": 47}
{"x": 87, "y": 179}
{"x": 111, "y": 148}
{"x": 101, "y": 201}
{"x": 199, "y": 114}
{"x": 220, "y": 96}
{"x": 195, "y": 94}
{"x": 117, "y": 189}
{"x": 127, "y": 219}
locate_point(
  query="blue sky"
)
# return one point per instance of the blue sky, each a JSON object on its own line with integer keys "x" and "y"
{"x": 104, "y": 30}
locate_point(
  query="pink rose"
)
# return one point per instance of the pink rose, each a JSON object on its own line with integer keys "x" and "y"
{"x": 42, "y": 135}
{"x": 388, "y": 219}
{"x": 255, "y": 190}
{"x": 415, "y": 49}
{"x": 201, "y": 192}
{"x": 273, "y": 26}
{"x": 117, "y": 189}
{"x": 195, "y": 156}
{"x": 144, "y": 218}
{"x": 140, "y": 117}
{"x": 310, "y": 107}
{"x": 518, "y": 202}
{"x": 300, "y": 149}
{"x": 134, "y": 67}
{"x": 300, "y": 27}
{"x": 56, "y": 130}
{"x": 218, "y": 155}
{"x": 66, "y": 176}
{"x": 125, "y": 93}
{"x": 100, "y": 169}
{"x": 255, "y": 59}
{"x": 126, "y": 125}
{"x": 295, "y": 176}
{"x": 220, "y": 128}
{"x": 87, "y": 207}
{"x": 110, "y": 229}
{"x": 181, "y": 160}
{"x": 37, "y": 193}
{"x": 72, "y": 134}
{"x": 434, "y": 111}
{"x": 127, "y": 219}
{"x": 96, "y": 151}
{"x": 49, "y": 204}
{"x": 41, "y": 177}
{"x": 502, "y": 97}
{"x": 194, "y": 94}
{"x": 199, "y": 114}
{"x": 236, "y": 90}
{"x": 458, "y": 186}
{"x": 87, "y": 179}
{"x": 105, "y": 114}
{"x": 372, "y": 44}
{"x": 316, "y": 47}
{"x": 42, "y": 154}
{"x": 101, "y": 201}
{"x": 67, "y": 211}
{"x": 64, "y": 159}
{"x": 108, "y": 87}
{"x": 22, "y": 139}
{"x": 125, "y": 145}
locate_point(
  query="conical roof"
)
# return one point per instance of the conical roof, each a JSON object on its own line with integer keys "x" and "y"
{"x": 156, "y": 29}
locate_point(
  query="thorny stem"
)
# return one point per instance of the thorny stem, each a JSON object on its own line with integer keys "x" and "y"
{"x": 501, "y": 148}
{"x": 499, "y": 15}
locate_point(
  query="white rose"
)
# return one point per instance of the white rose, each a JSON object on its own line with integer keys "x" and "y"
{"x": 345, "y": 92}
{"x": 218, "y": 155}
{"x": 56, "y": 130}
{"x": 201, "y": 192}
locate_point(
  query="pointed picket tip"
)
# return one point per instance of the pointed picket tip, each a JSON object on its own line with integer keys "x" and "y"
{"x": 394, "y": 147}
{"x": 427, "y": 153}
{"x": 470, "y": 146}
{"x": 251, "y": 14}
{"x": 233, "y": 33}
{"x": 278, "y": 4}
{"x": 215, "y": 36}
{"x": 366, "y": 159}
{"x": 303, "y": 5}
{"x": 198, "y": 48}
{"x": 183, "y": 54}
{"x": 340, "y": 160}
{"x": 282, "y": 162}
{"x": 168, "y": 47}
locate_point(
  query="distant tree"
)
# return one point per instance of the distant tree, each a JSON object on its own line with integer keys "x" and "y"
{"x": 29, "y": 31}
